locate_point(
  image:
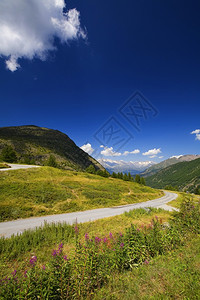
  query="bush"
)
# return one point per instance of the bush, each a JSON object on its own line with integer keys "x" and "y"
{"x": 8, "y": 155}
{"x": 91, "y": 169}
{"x": 51, "y": 162}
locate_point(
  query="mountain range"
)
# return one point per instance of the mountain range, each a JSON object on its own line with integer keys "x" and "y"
{"x": 185, "y": 175}
{"x": 134, "y": 167}
{"x": 168, "y": 162}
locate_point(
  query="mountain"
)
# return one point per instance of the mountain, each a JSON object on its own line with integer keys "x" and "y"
{"x": 185, "y": 175}
{"x": 168, "y": 162}
{"x": 134, "y": 167}
{"x": 35, "y": 144}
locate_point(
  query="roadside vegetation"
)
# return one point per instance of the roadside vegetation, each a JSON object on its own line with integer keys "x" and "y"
{"x": 110, "y": 264}
{"x": 47, "y": 190}
{"x": 181, "y": 196}
{"x": 4, "y": 166}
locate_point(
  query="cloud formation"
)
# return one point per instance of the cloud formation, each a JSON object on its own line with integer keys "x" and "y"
{"x": 87, "y": 148}
{"x": 197, "y": 133}
{"x": 28, "y": 28}
{"x": 152, "y": 152}
{"x": 176, "y": 156}
{"x": 110, "y": 152}
{"x": 136, "y": 151}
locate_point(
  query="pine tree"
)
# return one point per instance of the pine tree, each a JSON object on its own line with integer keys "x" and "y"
{"x": 142, "y": 181}
{"x": 137, "y": 178}
{"x": 129, "y": 176}
{"x": 125, "y": 177}
{"x": 114, "y": 175}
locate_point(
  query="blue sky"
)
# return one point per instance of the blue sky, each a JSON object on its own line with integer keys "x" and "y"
{"x": 82, "y": 75}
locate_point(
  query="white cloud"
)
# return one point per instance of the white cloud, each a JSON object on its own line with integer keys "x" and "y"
{"x": 197, "y": 133}
{"x": 110, "y": 152}
{"x": 87, "y": 148}
{"x": 136, "y": 151}
{"x": 176, "y": 156}
{"x": 152, "y": 152}
{"x": 160, "y": 156}
{"x": 28, "y": 28}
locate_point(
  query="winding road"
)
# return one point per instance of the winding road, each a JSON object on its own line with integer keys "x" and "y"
{"x": 18, "y": 226}
{"x": 17, "y": 167}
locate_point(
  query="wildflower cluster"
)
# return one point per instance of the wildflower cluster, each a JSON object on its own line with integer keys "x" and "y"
{"x": 78, "y": 276}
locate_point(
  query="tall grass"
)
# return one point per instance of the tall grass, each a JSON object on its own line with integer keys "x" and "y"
{"x": 98, "y": 257}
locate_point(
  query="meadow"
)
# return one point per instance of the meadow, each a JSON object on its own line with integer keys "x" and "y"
{"x": 131, "y": 256}
{"x": 46, "y": 190}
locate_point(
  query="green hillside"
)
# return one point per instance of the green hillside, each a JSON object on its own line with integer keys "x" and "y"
{"x": 185, "y": 175}
{"x": 168, "y": 162}
{"x": 46, "y": 190}
{"x": 35, "y": 145}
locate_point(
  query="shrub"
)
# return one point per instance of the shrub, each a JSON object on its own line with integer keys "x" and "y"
{"x": 91, "y": 169}
{"x": 8, "y": 154}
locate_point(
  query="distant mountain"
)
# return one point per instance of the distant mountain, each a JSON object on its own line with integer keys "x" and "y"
{"x": 185, "y": 175}
{"x": 134, "y": 167}
{"x": 168, "y": 162}
{"x": 36, "y": 144}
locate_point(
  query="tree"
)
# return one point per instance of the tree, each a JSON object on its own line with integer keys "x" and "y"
{"x": 125, "y": 177}
{"x": 8, "y": 154}
{"x": 106, "y": 174}
{"x": 137, "y": 178}
{"x": 91, "y": 169}
{"x": 51, "y": 162}
{"x": 114, "y": 175}
{"x": 142, "y": 181}
{"x": 129, "y": 176}
{"x": 99, "y": 172}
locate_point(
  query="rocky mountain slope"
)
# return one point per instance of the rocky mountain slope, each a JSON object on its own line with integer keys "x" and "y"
{"x": 35, "y": 144}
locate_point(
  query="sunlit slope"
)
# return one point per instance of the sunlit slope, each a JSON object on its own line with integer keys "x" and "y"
{"x": 184, "y": 175}
{"x": 46, "y": 190}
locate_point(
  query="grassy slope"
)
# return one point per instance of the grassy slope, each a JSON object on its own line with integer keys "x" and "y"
{"x": 45, "y": 190}
{"x": 177, "y": 202}
{"x": 172, "y": 276}
{"x": 41, "y": 241}
{"x": 186, "y": 175}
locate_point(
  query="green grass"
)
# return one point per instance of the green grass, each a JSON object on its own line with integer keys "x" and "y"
{"x": 142, "y": 262}
{"x": 172, "y": 276}
{"x": 46, "y": 190}
{"x": 153, "y": 261}
{"x": 181, "y": 195}
{"x": 15, "y": 250}
{"x": 4, "y": 166}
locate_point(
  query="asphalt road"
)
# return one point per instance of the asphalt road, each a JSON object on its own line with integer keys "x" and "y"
{"x": 18, "y": 226}
{"x": 17, "y": 167}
